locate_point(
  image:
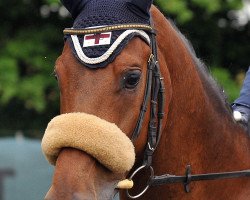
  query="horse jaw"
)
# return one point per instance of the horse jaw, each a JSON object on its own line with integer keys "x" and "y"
{"x": 79, "y": 176}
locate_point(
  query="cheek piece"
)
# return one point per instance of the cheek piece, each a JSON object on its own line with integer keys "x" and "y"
{"x": 101, "y": 139}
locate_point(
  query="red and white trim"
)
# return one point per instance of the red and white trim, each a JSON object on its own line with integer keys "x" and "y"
{"x": 109, "y": 52}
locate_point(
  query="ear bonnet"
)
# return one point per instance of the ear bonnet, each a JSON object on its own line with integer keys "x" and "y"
{"x": 117, "y": 21}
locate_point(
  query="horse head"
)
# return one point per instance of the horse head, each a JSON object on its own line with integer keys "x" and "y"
{"x": 101, "y": 97}
{"x": 117, "y": 59}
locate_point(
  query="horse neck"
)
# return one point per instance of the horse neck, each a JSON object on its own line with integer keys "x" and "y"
{"x": 200, "y": 130}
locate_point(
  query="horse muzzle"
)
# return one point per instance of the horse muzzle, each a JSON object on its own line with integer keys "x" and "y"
{"x": 101, "y": 139}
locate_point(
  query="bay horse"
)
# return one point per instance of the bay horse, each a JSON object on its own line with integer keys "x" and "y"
{"x": 197, "y": 128}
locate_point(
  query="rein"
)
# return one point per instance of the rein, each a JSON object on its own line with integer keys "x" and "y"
{"x": 186, "y": 179}
{"x": 154, "y": 92}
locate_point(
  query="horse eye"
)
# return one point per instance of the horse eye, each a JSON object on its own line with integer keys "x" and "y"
{"x": 131, "y": 79}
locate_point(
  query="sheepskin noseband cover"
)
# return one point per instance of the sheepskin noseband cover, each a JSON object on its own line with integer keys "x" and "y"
{"x": 97, "y": 137}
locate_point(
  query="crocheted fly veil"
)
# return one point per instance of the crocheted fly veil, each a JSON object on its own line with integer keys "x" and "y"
{"x": 102, "y": 28}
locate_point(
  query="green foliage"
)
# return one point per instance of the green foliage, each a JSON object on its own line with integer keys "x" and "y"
{"x": 52, "y": 1}
{"x": 224, "y": 78}
{"x": 183, "y": 10}
{"x": 8, "y": 79}
{"x": 176, "y": 7}
{"x": 30, "y": 45}
{"x": 25, "y": 68}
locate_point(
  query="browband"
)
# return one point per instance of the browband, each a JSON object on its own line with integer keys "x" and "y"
{"x": 74, "y": 31}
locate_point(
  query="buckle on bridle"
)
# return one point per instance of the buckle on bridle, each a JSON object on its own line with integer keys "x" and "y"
{"x": 151, "y": 57}
{"x": 150, "y": 148}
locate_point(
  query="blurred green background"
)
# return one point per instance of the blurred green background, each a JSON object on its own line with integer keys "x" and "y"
{"x": 31, "y": 39}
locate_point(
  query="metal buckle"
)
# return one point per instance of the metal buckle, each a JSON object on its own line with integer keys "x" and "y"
{"x": 150, "y": 148}
{"x": 146, "y": 188}
{"x": 151, "y": 57}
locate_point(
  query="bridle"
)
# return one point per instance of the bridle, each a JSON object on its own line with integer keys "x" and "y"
{"x": 154, "y": 92}
{"x": 155, "y": 83}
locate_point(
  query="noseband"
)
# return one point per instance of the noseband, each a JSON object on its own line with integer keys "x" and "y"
{"x": 154, "y": 92}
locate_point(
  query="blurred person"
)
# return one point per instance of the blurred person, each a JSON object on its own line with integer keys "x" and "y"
{"x": 241, "y": 106}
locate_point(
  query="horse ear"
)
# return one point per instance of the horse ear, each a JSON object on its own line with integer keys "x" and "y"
{"x": 140, "y": 7}
{"x": 74, "y": 6}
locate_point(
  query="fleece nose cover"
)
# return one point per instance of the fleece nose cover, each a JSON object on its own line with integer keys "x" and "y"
{"x": 101, "y": 139}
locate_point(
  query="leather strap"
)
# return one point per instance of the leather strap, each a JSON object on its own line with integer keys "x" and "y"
{"x": 188, "y": 178}
{"x": 147, "y": 94}
{"x": 156, "y": 105}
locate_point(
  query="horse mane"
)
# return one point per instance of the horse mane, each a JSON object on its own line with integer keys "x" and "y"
{"x": 216, "y": 92}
